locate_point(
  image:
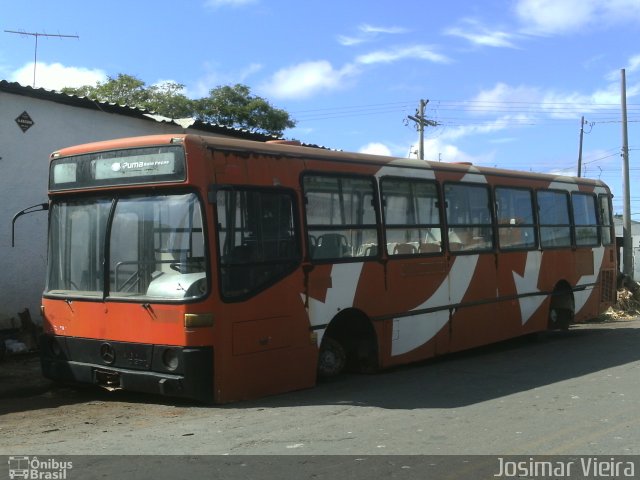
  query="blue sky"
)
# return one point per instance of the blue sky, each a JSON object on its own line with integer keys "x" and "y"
{"x": 507, "y": 81}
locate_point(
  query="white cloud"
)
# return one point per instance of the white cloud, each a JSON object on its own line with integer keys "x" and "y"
{"x": 56, "y": 76}
{"x": 421, "y": 52}
{"x": 368, "y": 33}
{"x": 529, "y": 103}
{"x": 435, "y": 149}
{"x": 567, "y": 16}
{"x": 390, "y": 30}
{"x": 228, "y": 3}
{"x": 503, "y": 122}
{"x": 307, "y": 78}
{"x": 350, "y": 41}
{"x": 534, "y": 102}
{"x": 503, "y": 93}
{"x": 634, "y": 64}
{"x": 214, "y": 78}
{"x": 376, "y": 148}
{"x": 479, "y": 35}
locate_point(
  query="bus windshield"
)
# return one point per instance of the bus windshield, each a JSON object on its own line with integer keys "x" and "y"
{"x": 153, "y": 245}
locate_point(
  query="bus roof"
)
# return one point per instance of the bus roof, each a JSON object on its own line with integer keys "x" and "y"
{"x": 288, "y": 149}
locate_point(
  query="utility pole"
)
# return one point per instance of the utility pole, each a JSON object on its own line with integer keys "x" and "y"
{"x": 627, "y": 252}
{"x": 422, "y": 122}
{"x": 580, "y": 149}
{"x": 35, "y": 53}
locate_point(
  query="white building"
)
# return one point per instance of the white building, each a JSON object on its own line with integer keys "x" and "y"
{"x": 635, "y": 242}
{"x": 34, "y": 123}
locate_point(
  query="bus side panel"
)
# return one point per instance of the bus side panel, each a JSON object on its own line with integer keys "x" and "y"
{"x": 475, "y": 321}
{"x": 126, "y": 322}
{"x": 265, "y": 345}
{"x": 521, "y": 299}
{"x": 412, "y": 284}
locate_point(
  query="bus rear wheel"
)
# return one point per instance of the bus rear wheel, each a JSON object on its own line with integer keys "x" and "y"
{"x": 332, "y": 358}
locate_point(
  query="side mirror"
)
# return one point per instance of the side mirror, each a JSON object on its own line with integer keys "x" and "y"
{"x": 33, "y": 208}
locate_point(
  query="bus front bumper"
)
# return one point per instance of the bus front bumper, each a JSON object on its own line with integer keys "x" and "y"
{"x": 188, "y": 373}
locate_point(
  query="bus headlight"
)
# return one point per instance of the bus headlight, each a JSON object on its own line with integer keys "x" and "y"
{"x": 55, "y": 348}
{"x": 170, "y": 359}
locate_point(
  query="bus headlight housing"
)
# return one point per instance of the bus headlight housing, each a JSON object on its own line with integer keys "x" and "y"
{"x": 192, "y": 320}
{"x": 170, "y": 359}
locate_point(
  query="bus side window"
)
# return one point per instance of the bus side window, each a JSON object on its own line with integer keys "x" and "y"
{"x": 516, "y": 228}
{"x": 605, "y": 219}
{"x": 553, "y": 211}
{"x": 585, "y": 219}
{"x": 411, "y": 216}
{"x": 341, "y": 217}
{"x": 257, "y": 239}
{"x": 468, "y": 217}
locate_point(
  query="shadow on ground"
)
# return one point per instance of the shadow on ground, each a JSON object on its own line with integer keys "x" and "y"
{"x": 447, "y": 382}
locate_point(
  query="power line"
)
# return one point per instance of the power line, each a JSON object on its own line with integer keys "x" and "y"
{"x": 527, "y": 117}
{"x": 476, "y": 106}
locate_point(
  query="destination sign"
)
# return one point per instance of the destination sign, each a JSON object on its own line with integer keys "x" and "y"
{"x": 119, "y": 167}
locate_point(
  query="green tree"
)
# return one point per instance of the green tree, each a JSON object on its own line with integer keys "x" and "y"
{"x": 232, "y": 106}
{"x": 235, "y": 105}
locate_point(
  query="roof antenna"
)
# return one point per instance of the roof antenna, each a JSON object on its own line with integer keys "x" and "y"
{"x": 35, "y": 53}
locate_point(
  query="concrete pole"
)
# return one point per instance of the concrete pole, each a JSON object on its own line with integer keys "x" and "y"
{"x": 421, "y": 129}
{"x": 580, "y": 149}
{"x": 627, "y": 252}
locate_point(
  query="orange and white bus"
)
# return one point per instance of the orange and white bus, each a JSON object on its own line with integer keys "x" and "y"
{"x": 222, "y": 269}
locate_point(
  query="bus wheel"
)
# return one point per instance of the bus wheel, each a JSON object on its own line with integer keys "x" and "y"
{"x": 562, "y": 308}
{"x": 332, "y": 358}
{"x": 560, "y": 318}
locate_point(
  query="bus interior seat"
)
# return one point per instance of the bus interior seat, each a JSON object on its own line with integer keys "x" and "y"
{"x": 331, "y": 245}
{"x": 404, "y": 249}
{"x": 429, "y": 248}
{"x": 371, "y": 251}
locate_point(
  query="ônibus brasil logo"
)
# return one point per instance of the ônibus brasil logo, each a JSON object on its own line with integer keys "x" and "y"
{"x": 35, "y": 468}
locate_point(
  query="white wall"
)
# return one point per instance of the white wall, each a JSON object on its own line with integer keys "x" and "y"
{"x": 24, "y": 159}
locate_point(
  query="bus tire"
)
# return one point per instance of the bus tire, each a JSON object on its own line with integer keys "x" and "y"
{"x": 560, "y": 318}
{"x": 562, "y": 308}
{"x": 332, "y": 358}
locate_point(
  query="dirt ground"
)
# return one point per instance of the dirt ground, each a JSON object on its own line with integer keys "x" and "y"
{"x": 20, "y": 377}
{"x": 508, "y": 398}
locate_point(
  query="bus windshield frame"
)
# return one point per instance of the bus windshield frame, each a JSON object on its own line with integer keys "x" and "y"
{"x": 154, "y": 244}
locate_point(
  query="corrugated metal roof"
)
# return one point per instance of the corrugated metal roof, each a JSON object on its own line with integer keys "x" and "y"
{"x": 85, "y": 102}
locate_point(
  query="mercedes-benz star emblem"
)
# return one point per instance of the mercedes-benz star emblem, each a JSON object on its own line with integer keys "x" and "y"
{"x": 107, "y": 353}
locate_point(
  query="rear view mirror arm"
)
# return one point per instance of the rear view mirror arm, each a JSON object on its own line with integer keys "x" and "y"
{"x": 33, "y": 208}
